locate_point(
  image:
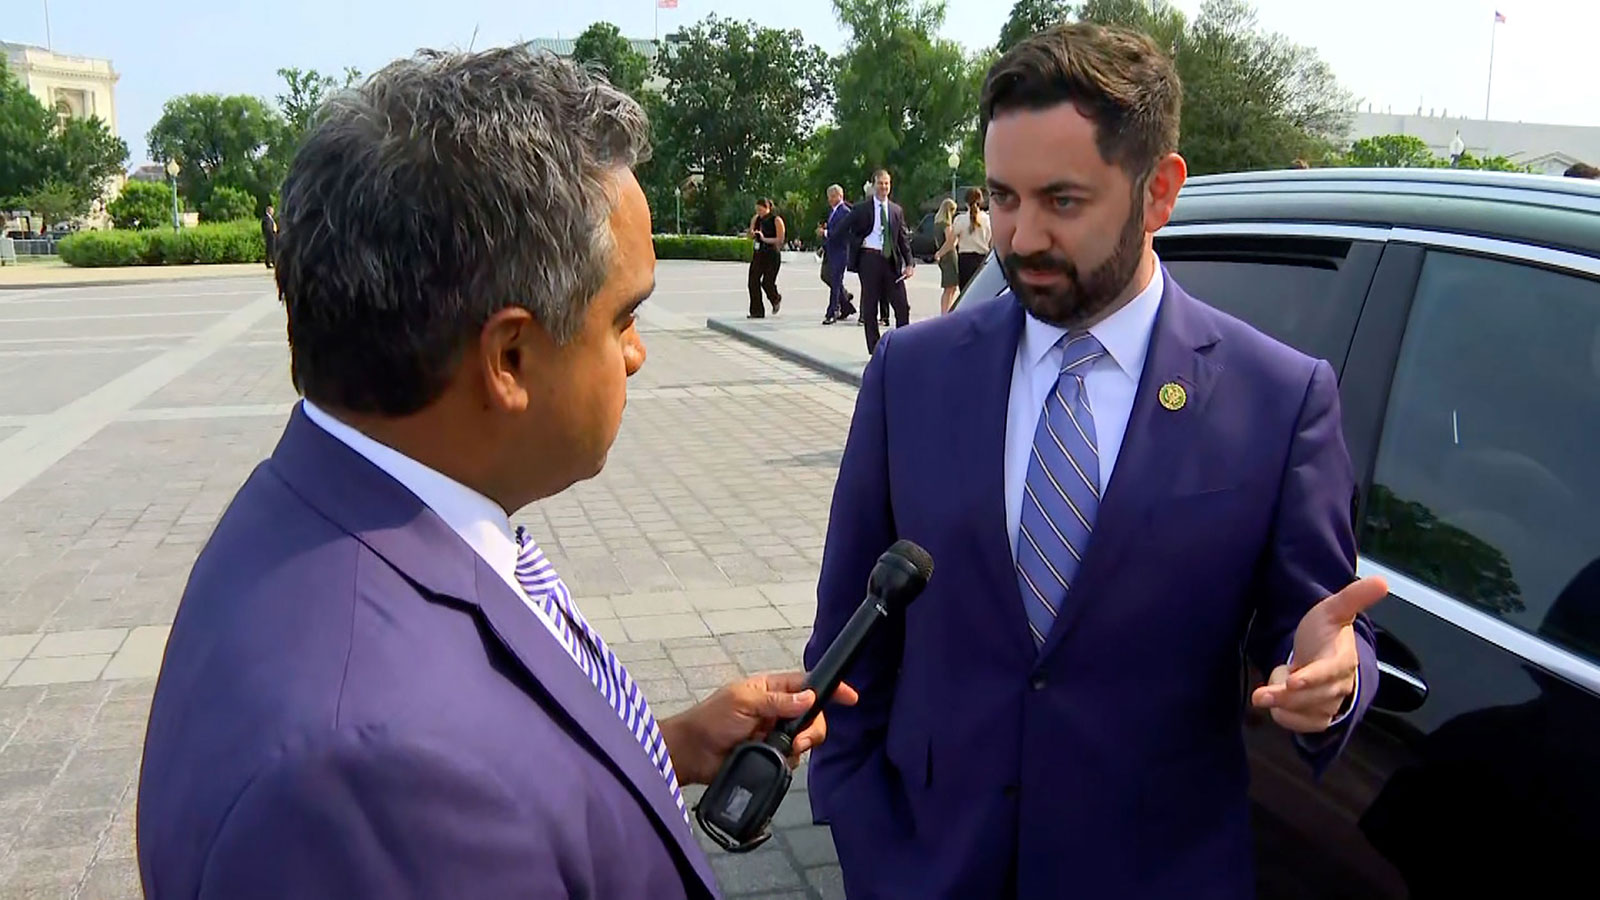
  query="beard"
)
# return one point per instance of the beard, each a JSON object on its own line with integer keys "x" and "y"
{"x": 1084, "y": 296}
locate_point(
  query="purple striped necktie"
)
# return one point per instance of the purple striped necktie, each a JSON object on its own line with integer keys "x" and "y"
{"x": 545, "y": 588}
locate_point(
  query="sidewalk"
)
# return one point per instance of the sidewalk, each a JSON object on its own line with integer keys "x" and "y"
{"x": 32, "y": 275}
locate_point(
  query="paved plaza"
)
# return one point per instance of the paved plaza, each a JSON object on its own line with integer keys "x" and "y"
{"x": 130, "y": 413}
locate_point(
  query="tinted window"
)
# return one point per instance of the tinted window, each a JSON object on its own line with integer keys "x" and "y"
{"x": 1304, "y": 292}
{"x": 1487, "y": 484}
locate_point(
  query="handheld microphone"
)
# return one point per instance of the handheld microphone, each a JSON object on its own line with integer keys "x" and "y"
{"x": 752, "y": 782}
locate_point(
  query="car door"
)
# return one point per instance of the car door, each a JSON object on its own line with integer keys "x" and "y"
{"x": 1477, "y": 770}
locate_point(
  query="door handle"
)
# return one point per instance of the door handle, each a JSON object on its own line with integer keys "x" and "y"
{"x": 1399, "y": 690}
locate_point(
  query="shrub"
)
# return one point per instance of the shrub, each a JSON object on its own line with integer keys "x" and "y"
{"x": 231, "y": 242}
{"x": 143, "y": 202}
{"x": 228, "y": 204}
{"x": 704, "y": 246}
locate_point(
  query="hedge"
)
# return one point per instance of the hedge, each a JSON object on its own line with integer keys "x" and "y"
{"x": 704, "y": 246}
{"x": 240, "y": 242}
{"x": 228, "y": 242}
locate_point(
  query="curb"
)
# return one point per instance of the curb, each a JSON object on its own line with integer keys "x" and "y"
{"x": 118, "y": 282}
{"x": 814, "y": 363}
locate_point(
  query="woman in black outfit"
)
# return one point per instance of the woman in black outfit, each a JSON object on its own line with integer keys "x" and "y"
{"x": 768, "y": 231}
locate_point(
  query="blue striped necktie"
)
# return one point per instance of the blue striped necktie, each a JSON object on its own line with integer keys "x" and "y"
{"x": 544, "y": 587}
{"x": 1062, "y": 492}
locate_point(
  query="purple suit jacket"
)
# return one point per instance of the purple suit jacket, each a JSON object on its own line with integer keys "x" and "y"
{"x": 1112, "y": 764}
{"x": 353, "y": 704}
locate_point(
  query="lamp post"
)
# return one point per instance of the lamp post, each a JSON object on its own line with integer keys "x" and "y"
{"x": 954, "y": 161}
{"x": 677, "y": 195}
{"x": 172, "y": 175}
{"x": 1457, "y": 147}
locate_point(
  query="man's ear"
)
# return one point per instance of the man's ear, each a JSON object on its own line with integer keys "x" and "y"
{"x": 1161, "y": 190}
{"x": 501, "y": 357}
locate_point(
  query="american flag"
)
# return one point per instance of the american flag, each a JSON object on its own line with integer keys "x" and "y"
{"x": 673, "y": 4}
{"x": 1499, "y": 17}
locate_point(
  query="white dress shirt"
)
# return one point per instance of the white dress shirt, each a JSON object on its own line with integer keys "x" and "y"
{"x": 1112, "y": 382}
{"x": 477, "y": 519}
{"x": 880, "y": 215}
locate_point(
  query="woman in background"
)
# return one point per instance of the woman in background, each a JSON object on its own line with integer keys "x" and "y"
{"x": 945, "y": 256}
{"x": 972, "y": 238}
{"x": 768, "y": 232}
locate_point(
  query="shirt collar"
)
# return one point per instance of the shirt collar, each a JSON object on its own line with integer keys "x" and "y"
{"x": 1125, "y": 334}
{"x": 478, "y": 520}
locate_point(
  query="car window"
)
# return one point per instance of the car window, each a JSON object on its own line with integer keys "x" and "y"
{"x": 1298, "y": 290}
{"x": 1487, "y": 484}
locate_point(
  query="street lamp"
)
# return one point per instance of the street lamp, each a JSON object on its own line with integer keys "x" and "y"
{"x": 677, "y": 194}
{"x": 172, "y": 175}
{"x": 954, "y": 160}
{"x": 1457, "y": 147}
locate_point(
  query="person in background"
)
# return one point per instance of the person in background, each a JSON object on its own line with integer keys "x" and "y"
{"x": 882, "y": 255}
{"x": 972, "y": 238}
{"x": 269, "y": 234}
{"x": 945, "y": 256}
{"x": 1582, "y": 170}
{"x": 1299, "y": 164}
{"x": 836, "y": 256}
{"x": 767, "y": 229}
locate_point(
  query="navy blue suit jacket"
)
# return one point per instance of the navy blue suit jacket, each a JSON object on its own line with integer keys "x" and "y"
{"x": 353, "y": 705}
{"x": 1112, "y": 763}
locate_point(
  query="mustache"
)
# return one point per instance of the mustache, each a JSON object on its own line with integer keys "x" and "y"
{"x": 1043, "y": 262}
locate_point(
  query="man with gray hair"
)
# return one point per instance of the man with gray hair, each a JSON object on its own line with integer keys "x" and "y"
{"x": 836, "y": 255}
{"x": 373, "y": 687}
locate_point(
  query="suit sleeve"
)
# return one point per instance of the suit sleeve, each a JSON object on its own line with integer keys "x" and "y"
{"x": 1312, "y": 554}
{"x": 860, "y": 527}
{"x": 903, "y": 243}
{"x": 363, "y": 818}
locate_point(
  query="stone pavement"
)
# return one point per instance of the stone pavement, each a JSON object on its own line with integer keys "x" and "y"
{"x": 51, "y": 272}
{"x": 130, "y": 414}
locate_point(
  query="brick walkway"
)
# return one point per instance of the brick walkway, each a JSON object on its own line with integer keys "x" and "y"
{"x": 130, "y": 414}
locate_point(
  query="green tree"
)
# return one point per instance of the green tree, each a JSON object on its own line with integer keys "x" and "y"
{"x": 228, "y": 204}
{"x": 235, "y": 140}
{"x": 739, "y": 99}
{"x": 1251, "y": 99}
{"x": 304, "y": 91}
{"x": 602, "y": 47}
{"x": 25, "y": 127}
{"x": 1490, "y": 164}
{"x": 142, "y": 204}
{"x": 54, "y": 200}
{"x": 905, "y": 100}
{"x": 1392, "y": 151}
{"x": 1030, "y": 16}
{"x": 42, "y": 154}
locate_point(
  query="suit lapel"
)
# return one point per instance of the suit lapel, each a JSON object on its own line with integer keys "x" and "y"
{"x": 979, "y": 385}
{"x": 390, "y": 520}
{"x": 1154, "y": 442}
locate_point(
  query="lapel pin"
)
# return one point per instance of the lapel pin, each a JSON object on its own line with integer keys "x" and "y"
{"x": 1173, "y": 396}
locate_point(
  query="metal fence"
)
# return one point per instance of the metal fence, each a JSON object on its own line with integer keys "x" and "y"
{"x": 36, "y": 246}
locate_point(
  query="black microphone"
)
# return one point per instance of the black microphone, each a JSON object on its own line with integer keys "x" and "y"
{"x": 754, "y": 779}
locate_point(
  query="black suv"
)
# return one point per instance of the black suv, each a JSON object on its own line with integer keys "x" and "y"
{"x": 1462, "y": 313}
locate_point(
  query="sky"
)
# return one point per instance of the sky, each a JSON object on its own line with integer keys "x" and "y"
{"x": 1396, "y": 54}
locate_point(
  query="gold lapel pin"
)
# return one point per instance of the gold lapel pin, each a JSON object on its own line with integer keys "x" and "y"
{"x": 1173, "y": 396}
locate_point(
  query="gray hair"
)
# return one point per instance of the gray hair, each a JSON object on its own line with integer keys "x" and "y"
{"x": 446, "y": 188}
{"x": 835, "y": 189}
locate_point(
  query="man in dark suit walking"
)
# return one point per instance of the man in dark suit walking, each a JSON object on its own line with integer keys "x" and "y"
{"x": 374, "y": 687}
{"x": 836, "y": 241}
{"x": 269, "y": 234}
{"x": 882, "y": 256}
{"x": 1128, "y": 493}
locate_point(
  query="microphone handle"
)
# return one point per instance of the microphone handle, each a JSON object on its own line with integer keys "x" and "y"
{"x": 830, "y": 669}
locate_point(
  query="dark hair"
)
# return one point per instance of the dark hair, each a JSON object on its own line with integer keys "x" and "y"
{"x": 444, "y": 189}
{"x": 1116, "y": 77}
{"x": 764, "y": 201}
{"x": 1582, "y": 170}
{"x": 974, "y": 200}
{"x": 1299, "y": 164}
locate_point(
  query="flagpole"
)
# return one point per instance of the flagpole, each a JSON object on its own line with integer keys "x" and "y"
{"x": 1488, "y": 89}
